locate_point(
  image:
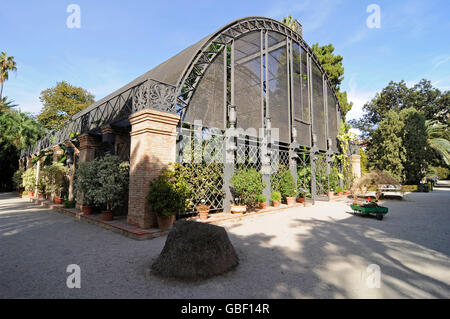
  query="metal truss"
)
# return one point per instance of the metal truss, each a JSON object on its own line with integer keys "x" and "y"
{"x": 147, "y": 94}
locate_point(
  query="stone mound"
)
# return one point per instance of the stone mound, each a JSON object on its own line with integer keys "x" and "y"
{"x": 195, "y": 251}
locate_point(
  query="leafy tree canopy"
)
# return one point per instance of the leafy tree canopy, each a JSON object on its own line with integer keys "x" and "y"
{"x": 61, "y": 103}
{"x": 396, "y": 96}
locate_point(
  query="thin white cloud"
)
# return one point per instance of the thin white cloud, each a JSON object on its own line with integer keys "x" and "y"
{"x": 440, "y": 60}
{"x": 358, "y": 97}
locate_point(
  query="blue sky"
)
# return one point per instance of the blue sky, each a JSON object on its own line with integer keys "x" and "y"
{"x": 120, "y": 40}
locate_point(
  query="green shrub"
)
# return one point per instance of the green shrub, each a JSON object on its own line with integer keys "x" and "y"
{"x": 338, "y": 189}
{"x": 247, "y": 185}
{"x": 85, "y": 182}
{"x": 261, "y": 198}
{"x": 17, "y": 179}
{"x": 29, "y": 179}
{"x": 69, "y": 203}
{"x": 112, "y": 177}
{"x": 165, "y": 196}
{"x": 276, "y": 195}
{"x": 287, "y": 185}
{"x": 55, "y": 178}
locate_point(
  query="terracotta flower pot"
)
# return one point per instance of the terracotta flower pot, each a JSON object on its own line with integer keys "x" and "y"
{"x": 87, "y": 210}
{"x": 31, "y": 194}
{"x": 290, "y": 201}
{"x": 57, "y": 200}
{"x": 237, "y": 209}
{"x": 276, "y": 203}
{"x": 203, "y": 211}
{"x": 339, "y": 194}
{"x": 107, "y": 215}
{"x": 300, "y": 199}
{"x": 165, "y": 222}
{"x": 262, "y": 205}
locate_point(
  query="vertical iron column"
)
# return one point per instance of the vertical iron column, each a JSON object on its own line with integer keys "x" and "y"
{"x": 229, "y": 136}
{"x": 313, "y": 149}
{"x": 266, "y": 143}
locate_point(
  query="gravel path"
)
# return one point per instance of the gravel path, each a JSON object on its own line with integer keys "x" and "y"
{"x": 318, "y": 251}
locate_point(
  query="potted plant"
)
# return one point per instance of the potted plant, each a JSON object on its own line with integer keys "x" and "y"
{"x": 301, "y": 195}
{"x": 276, "y": 198}
{"x": 29, "y": 181}
{"x": 246, "y": 185}
{"x": 55, "y": 174}
{"x": 203, "y": 210}
{"x": 338, "y": 190}
{"x": 262, "y": 200}
{"x": 85, "y": 184}
{"x": 112, "y": 178}
{"x": 288, "y": 188}
{"x": 166, "y": 198}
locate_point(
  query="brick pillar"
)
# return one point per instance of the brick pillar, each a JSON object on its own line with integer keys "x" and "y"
{"x": 356, "y": 165}
{"x": 153, "y": 147}
{"x": 88, "y": 144}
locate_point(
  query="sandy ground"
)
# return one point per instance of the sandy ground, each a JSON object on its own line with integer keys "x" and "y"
{"x": 308, "y": 252}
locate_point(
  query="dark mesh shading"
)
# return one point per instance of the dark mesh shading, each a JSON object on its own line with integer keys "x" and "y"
{"x": 247, "y": 45}
{"x": 319, "y": 125}
{"x": 332, "y": 119}
{"x": 247, "y": 86}
{"x": 207, "y": 103}
{"x": 278, "y": 92}
{"x": 300, "y": 96}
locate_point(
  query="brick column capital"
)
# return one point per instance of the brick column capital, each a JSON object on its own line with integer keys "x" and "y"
{"x": 153, "y": 121}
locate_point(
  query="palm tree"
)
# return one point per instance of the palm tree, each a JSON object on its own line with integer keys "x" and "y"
{"x": 7, "y": 64}
{"x": 438, "y": 139}
{"x": 6, "y": 104}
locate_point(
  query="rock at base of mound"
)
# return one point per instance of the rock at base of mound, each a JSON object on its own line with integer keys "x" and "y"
{"x": 195, "y": 251}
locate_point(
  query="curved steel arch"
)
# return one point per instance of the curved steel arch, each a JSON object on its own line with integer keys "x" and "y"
{"x": 196, "y": 69}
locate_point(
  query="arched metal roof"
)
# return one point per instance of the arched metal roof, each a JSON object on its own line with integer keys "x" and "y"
{"x": 180, "y": 74}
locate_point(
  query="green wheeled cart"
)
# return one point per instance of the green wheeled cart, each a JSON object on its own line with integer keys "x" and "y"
{"x": 371, "y": 209}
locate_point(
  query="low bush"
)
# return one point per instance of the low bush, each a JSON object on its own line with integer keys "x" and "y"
{"x": 247, "y": 185}
{"x": 287, "y": 185}
{"x": 261, "y": 198}
{"x": 165, "y": 196}
{"x": 409, "y": 188}
{"x": 69, "y": 203}
{"x": 276, "y": 195}
{"x": 17, "y": 179}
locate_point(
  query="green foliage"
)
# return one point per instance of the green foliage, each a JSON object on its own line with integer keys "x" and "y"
{"x": 55, "y": 175}
{"x": 61, "y": 103}
{"x": 166, "y": 195}
{"x": 17, "y": 179}
{"x": 440, "y": 172}
{"x": 386, "y": 150}
{"x": 364, "y": 161}
{"x": 338, "y": 189}
{"x": 69, "y": 203}
{"x": 247, "y": 184}
{"x": 438, "y": 139}
{"x": 112, "y": 176}
{"x": 275, "y": 196}
{"x": 85, "y": 182}
{"x": 7, "y": 64}
{"x": 414, "y": 139}
{"x": 29, "y": 179}
{"x": 287, "y": 185}
{"x": 396, "y": 96}
{"x": 261, "y": 198}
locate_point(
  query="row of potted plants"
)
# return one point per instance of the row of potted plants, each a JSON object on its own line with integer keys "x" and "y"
{"x": 51, "y": 182}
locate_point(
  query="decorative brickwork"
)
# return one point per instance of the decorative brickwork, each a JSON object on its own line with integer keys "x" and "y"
{"x": 88, "y": 144}
{"x": 153, "y": 147}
